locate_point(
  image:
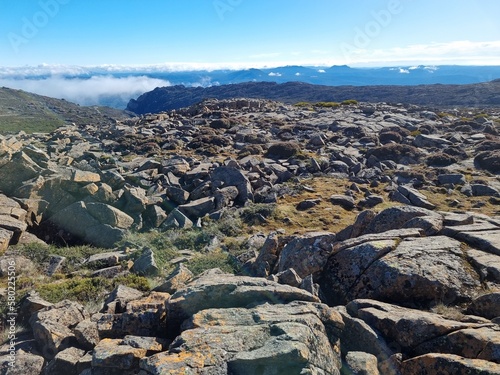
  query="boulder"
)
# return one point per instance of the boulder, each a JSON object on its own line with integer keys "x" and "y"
{"x": 288, "y": 338}
{"x": 482, "y": 235}
{"x": 451, "y": 179}
{"x": 414, "y": 271}
{"x": 345, "y": 201}
{"x": 230, "y": 176}
{"x": 487, "y": 305}
{"x": 113, "y": 354}
{"x": 14, "y": 226}
{"x": 87, "y": 334}
{"x": 198, "y": 208}
{"x": 474, "y": 342}
{"x": 415, "y": 197}
{"x": 176, "y": 219}
{"x": 306, "y": 254}
{"x": 395, "y": 218}
{"x": 265, "y": 262}
{"x": 437, "y": 363}
{"x": 145, "y": 265}
{"x": 25, "y": 363}
{"x": 18, "y": 169}
{"x": 176, "y": 280}
{"x": 117, "y": 300}
{"x": 405, "y": 329}
{"x": 423, "y": 140}
{"x": 52, "y": 336}
{"x": 106, "y": 214}
{"x": 218, "y": 290}
{"x": 65, "y": 362}
{"x": 361, "y": 363}
{"x": 489, "y": 160}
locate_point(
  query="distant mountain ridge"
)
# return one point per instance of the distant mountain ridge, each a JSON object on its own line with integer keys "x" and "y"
{"x": 118, "y": 84}
{"x": 174, "y": 97}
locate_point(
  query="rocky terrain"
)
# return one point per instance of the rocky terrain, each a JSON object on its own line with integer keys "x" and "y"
{"x": 437, "y": 95}
{"x": 364, "y": 238}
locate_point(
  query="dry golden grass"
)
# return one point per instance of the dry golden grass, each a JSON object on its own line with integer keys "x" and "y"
{"x": 322, "y": 217}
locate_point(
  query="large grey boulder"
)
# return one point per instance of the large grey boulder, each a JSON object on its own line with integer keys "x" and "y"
{"x": 307, "y": 254}
{"x": 15, "y": 171}
{"x": 406, "y": 329}
{"x": 198, "y": 208}
{"x": 78, "y": 220}
{"x": 219, "y": 290}
{"x": 487, "y": 305}
{"x": 145, "y": 265}
{"x": 230, "y": 176}
{"x": 25, "y": 363}
{"x": 294, "y": 338}
{"x": 110, "y": 215}
{"x": 414, "y": 271}
{"x": 395, "y": 218}
{"x": 52, "y": 326}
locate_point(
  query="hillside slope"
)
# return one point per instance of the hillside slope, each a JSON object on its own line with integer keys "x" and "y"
{"x": 20, "y": 110}
{"x": 174, "y": 97}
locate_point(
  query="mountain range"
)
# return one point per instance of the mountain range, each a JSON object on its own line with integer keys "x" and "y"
{"x": 174, "y": 97}
{"x": 338, "y": 75}
{"x": 114, "y": 86}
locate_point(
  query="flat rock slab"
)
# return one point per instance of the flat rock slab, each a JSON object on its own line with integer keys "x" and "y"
{"x": 487, "y": 240}
{"x": 224, "y": 291}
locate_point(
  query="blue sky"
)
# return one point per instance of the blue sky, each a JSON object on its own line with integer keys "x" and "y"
{"x": 244, "y": 33}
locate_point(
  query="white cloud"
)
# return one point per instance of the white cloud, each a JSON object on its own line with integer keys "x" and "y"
{"x": 404, "y": 71}
{"x": 297, "y": 74}
{"x": 273, "y": 74}
{"x": 86, "y": 91}
{"x": 456, "y": 52}
{"x": 321, "y": 71}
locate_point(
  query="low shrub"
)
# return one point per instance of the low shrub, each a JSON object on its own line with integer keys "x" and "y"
{"x": 86, "y": 290}
{"x": 215, "y": 259}
{"x": 349, "y": 102}
{"x": 327, "y": 104}
{"x": 283, "y": 150}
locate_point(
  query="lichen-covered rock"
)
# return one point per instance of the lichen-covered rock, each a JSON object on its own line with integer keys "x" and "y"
{"x": 448, "y": 364}
{"x": 281, "y": 338}
{"x": 23, "y": 363}
{"x": 415, "y": 271}
{"x": 307, "y": 254}
{"x": 225, "y": 291}
{"x": 361, "y": 363}
{"x": 395, "y": 218}
{"x": 52, "y": 326}
{"x": 176, "y": 280}
{"x": 475, "y": 342}
{"x": 65, "y": 362}
{"x": 404, "y": 328}
{"x": 114, "y": 354}
{"x": 487, "y": 305}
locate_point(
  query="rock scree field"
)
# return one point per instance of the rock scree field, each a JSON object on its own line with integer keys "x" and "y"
{"x": 250, "y": 236}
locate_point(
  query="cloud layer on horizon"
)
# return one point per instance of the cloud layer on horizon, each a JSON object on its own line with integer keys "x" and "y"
{"x": 86, "y": 91}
